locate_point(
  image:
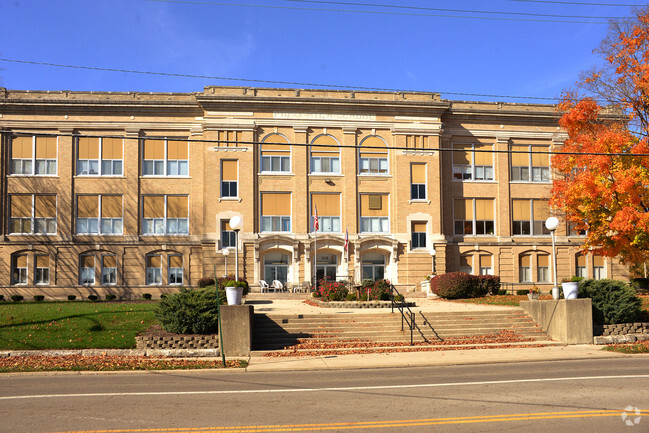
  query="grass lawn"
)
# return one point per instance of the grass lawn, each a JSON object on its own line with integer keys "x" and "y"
{"x": 642, "y": 347}
{"x": 73, "y": 325}
{"x": 513, "y": 300}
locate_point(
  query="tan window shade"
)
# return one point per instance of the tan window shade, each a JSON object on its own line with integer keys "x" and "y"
{"x": 229, "y": 170}
{"x": 418, "y": 173}
{"x": 275, "y": 204}
{"x": 177, "y": 206}
{"x": 87, "y": 206}
{"x": 327, "y": 204}
{"x": 175, "y": 261}
{"x": 87, "y": 261}
{"x": 581, "y": 260}
{"x": 42, "y": 261}
{"x": 110, "y": 261}
{"x": 111, "y": 206}
{"x": 463, "y": 209}
{"x": 543, "y": 260}
{"x": 45, "y": 206}
{"x": 419, "y": 227}
{"x": 177, "y": 150}
{"x": 525, "y": 260}
{"x": 541, "y": 210}
{"x": 88, "y": 148}
{"x": 153, "y": 206}
{"x": 484, "y": 158}
{"x": 225, "y": 226}
{"x": 153, "y": 261}
{"x": 112, "y": 148}
{"x": 376, "y": 142}
{"x": 521, "y": 210}
{"x": 21, "y": 148}
{"x": 462, "y": 154}
{"x": 374, "y": 202}
{"x": 46, "y": 147}
{"x": 484, "y": 209}
{"x": 466, "y": 262}
{"x": 21, "y": 206}
{"x": 274, "y": 145}
{"x": 20, "y": 261}
{"x": 598, "y": 261}
{"x": 540, "y": 159}
{"x": 368, "y": 203}
{"x": 520, "y": 159}
{"x": 154, "y": 149}
{"x": 485, "y": 261}
{"x": 332, "y": 146}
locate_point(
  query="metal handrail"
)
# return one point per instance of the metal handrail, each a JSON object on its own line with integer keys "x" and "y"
{"x": 411, "y": 320}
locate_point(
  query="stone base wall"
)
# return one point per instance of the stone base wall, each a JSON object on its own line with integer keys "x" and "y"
{"x": 622, "y": 329}
{"x": 185, "y": 342}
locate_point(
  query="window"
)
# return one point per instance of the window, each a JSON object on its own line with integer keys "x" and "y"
{"x": 99, "y": 214}
{"x": 418, "y": 235}
{"x": 34, "y": 155}
{"x": 326, "y": 266}
{"x": 87, "y": 269}
{"x": 528, "y": 217}
{"x": 417, "y": 181}
{"x": 275, "y": 212}
{"x": 328, "y": 206}
{"x": 466, "y": 264}
{"x": 165, "y": 215}
{"x": 466, "y": 224}
{"x": 525, "y": 268}
{"x": 165, "y": 158}
{"x": 486, "y": 267}
{"x": 325, "y": 157}
{"x": 276, "y": 267}
{"x": 228, "y": 236}
{"x": 528, "y": 165}
{"x": 154, "y": 269}
{"x": 19, "y": 269}
{"x": 373, "y": 156}
{"x": 33, "y": 214}
{"x": 598, "y": 267}
{"x": 375, "y": 213}
{"x": 108, "y": 269}
{"x": 42, "y": 271}
{"x": 473, "y": 162}
{"x": 229, "y": 179}
{"x": 572, "y": 231}
{"x": 373, "y": 266}
{"x": 581, "y": 270}
{"x": 175, "y": 269}
{"x": 275, "y": 154}
{"x": 543, "y": 268}
{"x": 89, "y": 150}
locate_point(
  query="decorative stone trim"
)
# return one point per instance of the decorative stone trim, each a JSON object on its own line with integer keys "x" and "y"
{"x": 176, "y": 342}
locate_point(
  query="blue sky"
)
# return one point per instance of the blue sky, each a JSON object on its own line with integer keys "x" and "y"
{"x": 316, "y": 42}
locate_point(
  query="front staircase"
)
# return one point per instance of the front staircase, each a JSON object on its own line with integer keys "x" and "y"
{"x": 322, "y": 334}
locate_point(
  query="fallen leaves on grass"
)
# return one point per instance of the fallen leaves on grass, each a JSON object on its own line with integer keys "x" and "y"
{"x": 642, "y": 347}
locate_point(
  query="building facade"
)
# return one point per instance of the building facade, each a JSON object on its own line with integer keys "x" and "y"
{"x": 129, "y": 193}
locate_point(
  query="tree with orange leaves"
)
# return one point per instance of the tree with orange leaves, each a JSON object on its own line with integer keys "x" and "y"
{"x": 602, "y": 182}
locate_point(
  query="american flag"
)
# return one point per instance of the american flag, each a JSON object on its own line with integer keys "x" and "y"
{"x": 316, "y": 224}
{"x": 346, "y": 238}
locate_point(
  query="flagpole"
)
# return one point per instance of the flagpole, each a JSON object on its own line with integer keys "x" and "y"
{"x": 315, "y": 257}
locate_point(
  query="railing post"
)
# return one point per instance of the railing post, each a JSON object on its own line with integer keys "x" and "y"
{"x": 412, "y": 327}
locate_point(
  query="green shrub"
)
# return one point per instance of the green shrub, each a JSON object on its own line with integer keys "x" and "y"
{"x": 351, "y": 296}
{"x": 399, "y": 298}
{"x": 2, "y": 298}
{"x": 489, "y": 284}
{"x": 190, "y": 311}
{"x": 147, "y": 296}
{"x": 640, "y": 285}
{"x": 39, "y": 298}
{"x": 206, "y": 281}
{"x": 17, "y": 298}
{"x": 93, "y": 298}
{"x": 111, "y": 297}
{"x": 72, "y": 297}
{"x": 613, "y": 301}
{"x": 522, "y": 292}
{"x": 458, "y": 285}
{"x": 316, "y": 294}
{"x": 379, "y": 290}
{"x": 332, "y": 290}
{"x": 501, "y": 292}
{"x": 229, "y": 281}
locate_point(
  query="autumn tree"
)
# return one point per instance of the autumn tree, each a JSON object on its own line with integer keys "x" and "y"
{"x": 602, "y": 183}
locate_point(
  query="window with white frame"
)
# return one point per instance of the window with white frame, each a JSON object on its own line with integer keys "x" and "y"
{"x": 581, "y": 269}
{"x": 373, "y": 156}
{"x": 418, "y": 235}
{"x": 528, "y": 217}
{"x": 474, "y": 216}
{"x": 525, "y": 268}
{"x": 165, "y": 215}
{"x": 543, "y": 268}
{"x": 108, "y": 269}
{"x": 275, "y": 211}
{"x": 34, "y": 155}
{"x": 99, "y": 214}
{"x": 373, "y": 266}
{"x": 328, "y": 207}
{"x": 19, "y": 269}
{"x": 229, "y": 178}
{"x": 530, "y": 163}
{"x": 165, "y": 157}
{"x": 418, "y": 181}
{"x": 153, "y": 269}
{"x": 275, "y": 154}
{"x": 375, "y": 215}
{"x": 32, "y": 214}
{"x": 486, "y": 265}
{"x": 100, "y": 156}
{"x": 175, "y": 269}
{"x": 42, "y": 269}
{"x": 325, "y": 155}
{"x": 87, "y": 269}
{"x": 599, "y": 271}
{"x": 473, "y": 162}
{"x": 228, "y": 236}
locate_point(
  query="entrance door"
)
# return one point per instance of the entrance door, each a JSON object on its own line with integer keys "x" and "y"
{"x": 373, "y": 266}
{"x": 327, "y": 266}
{"x": 276, "y": 267}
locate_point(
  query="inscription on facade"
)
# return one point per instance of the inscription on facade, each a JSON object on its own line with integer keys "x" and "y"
{"x": 325, "y": 116}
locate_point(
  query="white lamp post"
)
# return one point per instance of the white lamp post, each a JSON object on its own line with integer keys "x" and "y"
{"x": 551, "y": 224}
{"x": 226, "y": 253}
{"x": 236, "y": 223}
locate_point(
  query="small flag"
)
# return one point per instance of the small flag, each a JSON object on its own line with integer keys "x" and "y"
{"x": 346, "y": 238}
{"x": 316, "y": 224}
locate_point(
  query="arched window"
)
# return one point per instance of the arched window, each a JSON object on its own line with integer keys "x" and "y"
{"x": 276, "y": 267}
{"x": 325, "y": 156}
{"x": 275, "y": 154}
{"x": 373, "y": 156}
{"x": 373, "y": 266}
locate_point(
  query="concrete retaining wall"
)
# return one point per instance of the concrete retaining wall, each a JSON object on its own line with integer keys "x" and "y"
{"x": 566, "y": 320}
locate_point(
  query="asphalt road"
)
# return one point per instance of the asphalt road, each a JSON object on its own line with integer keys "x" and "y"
{"x": 575, "y": 396}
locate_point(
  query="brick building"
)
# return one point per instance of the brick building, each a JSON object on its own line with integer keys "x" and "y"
{"x": 132, "y": 192}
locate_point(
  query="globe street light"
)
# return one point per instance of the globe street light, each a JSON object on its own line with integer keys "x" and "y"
{"x": 551, "y": 224}
{"x": 226, "y": 253}
{"x": 236, "y": 223}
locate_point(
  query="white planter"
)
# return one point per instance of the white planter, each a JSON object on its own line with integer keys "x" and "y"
{"x": 234, "y": 295}
{"x": 570, "y": 290}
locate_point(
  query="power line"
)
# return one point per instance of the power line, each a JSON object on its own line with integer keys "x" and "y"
{"x": 204, "y": 3}
{"x": 251, "y": 80}
{"x": 579, "y": 3}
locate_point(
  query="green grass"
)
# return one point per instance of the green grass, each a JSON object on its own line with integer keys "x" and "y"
{"x": 72, "y": 325}
{"x": 629, "y": 348}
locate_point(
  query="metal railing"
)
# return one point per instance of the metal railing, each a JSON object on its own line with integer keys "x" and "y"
{"x": 409, "y": 317}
